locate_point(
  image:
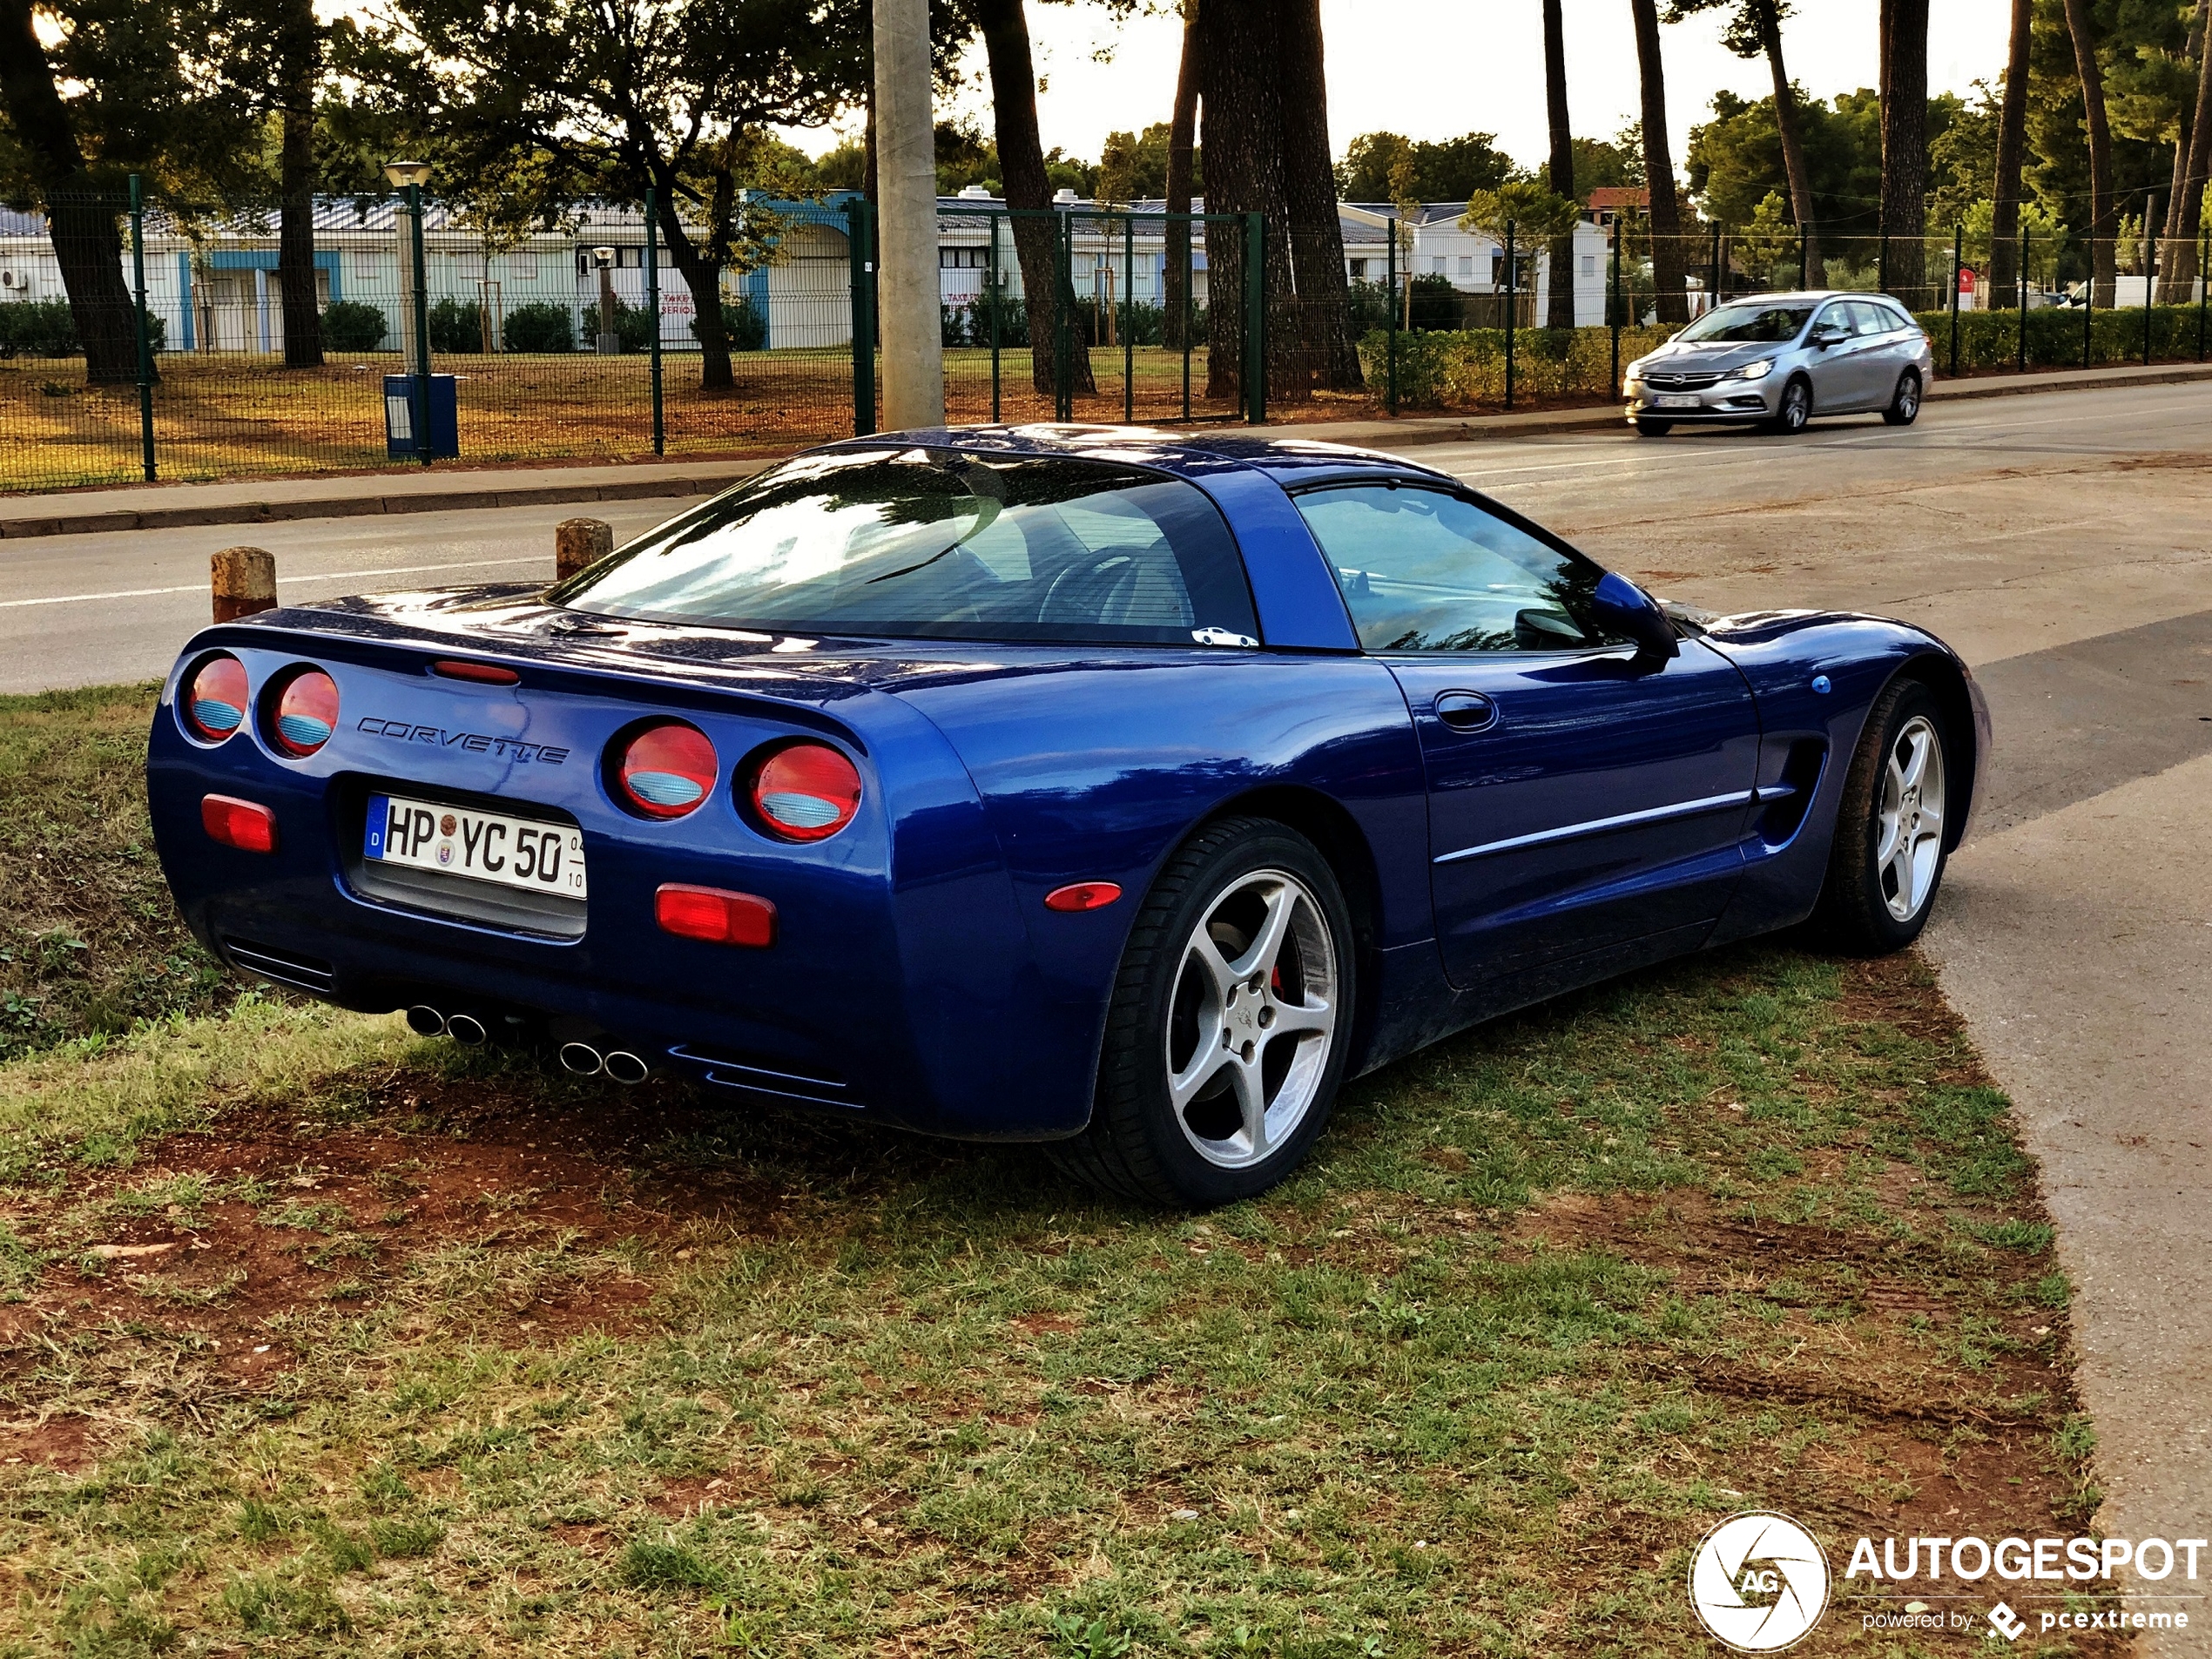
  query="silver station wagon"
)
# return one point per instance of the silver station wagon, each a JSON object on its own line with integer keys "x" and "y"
{"x": 1778, "y": 360}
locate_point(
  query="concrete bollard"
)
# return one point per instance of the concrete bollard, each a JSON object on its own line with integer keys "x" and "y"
{"x": 578, "y": 543}
{"x": 243, "y": 582}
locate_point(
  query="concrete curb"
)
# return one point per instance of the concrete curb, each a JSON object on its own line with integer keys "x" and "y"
{"x": 510, "y": 490}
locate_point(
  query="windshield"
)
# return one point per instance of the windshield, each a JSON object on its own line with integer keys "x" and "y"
{"x": 1764, "y": 324}
{"x": 938, "y": 545}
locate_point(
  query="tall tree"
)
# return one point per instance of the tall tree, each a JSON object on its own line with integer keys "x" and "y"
{"x": 1667, "y": 261}
{"x": 1559, "y": 307}
{"x": 2103, "y": 209}
{"x": 299, "y": 50}
{"x": 1182, "y": 136}
{"x": 1754, "y": 30}
{"x": 2196, "y": 176}
{"x": 1320, "y": 287}
{"x": 1005, "y": 28}
{"x": 87, "y": 245}
{"x": 1905, "y": 146}
{"x": 2011, "y": 146}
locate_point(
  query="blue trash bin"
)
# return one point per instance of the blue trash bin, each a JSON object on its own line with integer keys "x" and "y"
{"x": 401, "y": 443}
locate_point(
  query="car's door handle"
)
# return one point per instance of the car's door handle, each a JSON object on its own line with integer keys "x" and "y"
{"x": 1466, "y": 711}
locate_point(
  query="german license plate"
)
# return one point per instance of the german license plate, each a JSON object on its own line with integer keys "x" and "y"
{"x": 526, "y": 853}
{"x": 1677, "y": 402}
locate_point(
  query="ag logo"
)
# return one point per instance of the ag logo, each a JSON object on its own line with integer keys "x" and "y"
{"x": 1759, "y": 1582}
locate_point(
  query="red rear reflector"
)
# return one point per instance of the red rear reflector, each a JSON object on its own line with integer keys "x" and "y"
{"x": 806, "y": 791}
{"x": 1082, "y": 895}
{"x": 241, "y": 824}
{"x": 483, "y": 673}
{"x": 717, "y": 917}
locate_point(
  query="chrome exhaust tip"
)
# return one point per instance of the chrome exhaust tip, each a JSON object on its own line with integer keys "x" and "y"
{"x": 466, "y": 1030}
{"x": 581, "y": 1058}
{"x": 626, "y": 1068}
{"x": 425, "y": 1021}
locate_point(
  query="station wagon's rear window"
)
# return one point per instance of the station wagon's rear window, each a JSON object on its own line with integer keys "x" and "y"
{"x": 936, "y": 545}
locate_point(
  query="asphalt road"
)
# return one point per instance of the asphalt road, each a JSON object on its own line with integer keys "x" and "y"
{"x": 2063, "y": 543}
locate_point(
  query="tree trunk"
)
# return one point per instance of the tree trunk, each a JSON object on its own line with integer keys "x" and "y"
{"x": 2103, "y": 227}
{"x": 1904, "y": 151}
{"x": 2185, "y": 217}
{"x": 1558, "y": 310}
{"x": 1793, "y": 147}
{"x": 1029, "y": 193}
{"x": 1659, "y": 170}
{"x": 2012, "y": 144}
{"x": 299, "y": 56}
{"x": 1320, "y": 299}
{"x": 87, "y": 245}
{"x": 1240, "y": 48}
{"x": 1182, "y": 132}
{"x": 702, "y": 276}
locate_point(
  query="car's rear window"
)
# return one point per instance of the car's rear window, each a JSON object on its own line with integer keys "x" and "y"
{"x": 939, "y": 544}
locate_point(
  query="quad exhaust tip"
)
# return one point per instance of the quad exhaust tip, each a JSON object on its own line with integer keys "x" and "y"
{"x": 425, "y": 1021}
{"x": 466, "y": 1030}
{"x": 625, "y": 1068}
{"x": 581, "y": 1058}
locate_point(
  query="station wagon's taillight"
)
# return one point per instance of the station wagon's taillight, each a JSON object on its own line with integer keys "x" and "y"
{"x": 805, "y": 791}
{"x": 214, "y": 700}
{"x": 662, "y": 770}
{"x": 304, "y": 713}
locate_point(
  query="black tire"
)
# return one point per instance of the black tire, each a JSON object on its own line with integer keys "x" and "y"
{"x": 1655, "y": 428}
{"x": 1135, "y": 1146}
{"x": 1904, "y": 401}
{"x": 1797, "y": 408}
{"x": 1855, "y": 913}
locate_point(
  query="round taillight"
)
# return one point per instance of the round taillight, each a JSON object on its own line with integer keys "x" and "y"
{"x": 213, "y": 701}
{"x": 304, "y": 714}
{"x": 806, "y": 791}
{"x": 664, "y": 770}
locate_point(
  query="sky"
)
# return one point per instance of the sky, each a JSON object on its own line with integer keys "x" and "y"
{"x": 1434, "y": 68}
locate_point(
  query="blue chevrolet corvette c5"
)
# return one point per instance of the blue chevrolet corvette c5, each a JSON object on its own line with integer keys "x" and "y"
{"x": 1094, "y": 786}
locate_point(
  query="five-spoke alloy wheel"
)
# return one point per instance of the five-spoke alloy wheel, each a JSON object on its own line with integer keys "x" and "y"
{"x": 1892, "y": 828}
{"x": 1904, "y": 401}
{"x": 1231, "y": 1022}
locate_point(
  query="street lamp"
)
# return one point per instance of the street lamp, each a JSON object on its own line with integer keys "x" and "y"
{"x": 406, "y": 174}
{"x": 609, "y": 339}
{"x": 414, "y": 303}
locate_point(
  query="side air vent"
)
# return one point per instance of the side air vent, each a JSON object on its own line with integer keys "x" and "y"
{"x": 1790, "y": 797}
{"x": 308, "y": 973}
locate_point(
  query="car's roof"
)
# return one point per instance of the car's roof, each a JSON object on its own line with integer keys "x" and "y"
{"x": 1184, "y": 455}
{"x": 1802, "y": 294}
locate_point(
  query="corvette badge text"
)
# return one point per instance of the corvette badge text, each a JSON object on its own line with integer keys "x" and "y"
{"x": 1759, "y": 1582}
{"x": 474, "y": 742}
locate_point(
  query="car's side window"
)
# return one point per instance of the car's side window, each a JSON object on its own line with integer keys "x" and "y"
{"x": 1868, "y": 318}
{"x": 1834, "y": 316}
{"x": 1424, "y": 569}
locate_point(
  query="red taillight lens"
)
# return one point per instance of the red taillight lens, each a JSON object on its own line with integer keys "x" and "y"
{"x": 214, "y": 699}
{"x": 1082, "y": 895}
{"x": 481, "y": 673}
{"x": 806, "y": 793}
{"x": 719, "y": 918}
{"x": 241, "y": 824}
{"x": 304, "y": 715}
{"x": 664, "y": 770}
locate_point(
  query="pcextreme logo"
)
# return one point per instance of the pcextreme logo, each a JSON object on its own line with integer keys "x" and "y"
{"x": 1759, "y": 1582}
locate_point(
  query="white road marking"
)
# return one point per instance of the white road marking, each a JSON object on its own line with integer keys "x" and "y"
{"x": 201, "y": 587}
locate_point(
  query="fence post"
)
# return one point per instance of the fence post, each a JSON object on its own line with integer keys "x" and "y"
{"x": 1255, "y": 319}
{"x": 1129, "y": 310}
{"x": 2089, "y": 300}
{"x": 1613, "y": 310}
{"x": 1713, "y": 294}
{"x": 145, "y": 343}
{"x": 421, "y": 325}
{"x": 860, "y": 255}
{"x": 1512, "y": 292}
{"x": 1881, "y": 263}
{"x": 991, "y": 287}
{"x": 653, "y": 307}
{"x": 1390, "y": 322}
{"x": 1804, "y": 263}
{"x": 2150, "y": 275}
{"x": 1957, "y": 265}
{"x": 1063, "y": 306}
{"x": 2023, "y": 330}
{"x": 1195, "y": 228}
{"x": 2203, "y": 288}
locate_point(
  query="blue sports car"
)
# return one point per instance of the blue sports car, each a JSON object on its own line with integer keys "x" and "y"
{"x": 1093, "y": 785}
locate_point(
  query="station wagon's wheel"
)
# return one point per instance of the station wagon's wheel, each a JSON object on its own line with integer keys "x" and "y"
{"x": 1892, "y": 828}
{"x": 1655, "y": 428}
{"x": 1904, "y": 401}
{"x": 1796, "y": 409}
{"x": 1229, "y": 1026}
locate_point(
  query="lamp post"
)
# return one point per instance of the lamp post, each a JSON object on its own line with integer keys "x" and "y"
{"x": 414, "y": 330}
{"x": 609, "y": 338}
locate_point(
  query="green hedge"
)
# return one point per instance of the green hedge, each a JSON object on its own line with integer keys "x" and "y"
{"x": 1991, "y": 339}
{"x": 352, "y": 325}
{"x": 1439, "y": 369}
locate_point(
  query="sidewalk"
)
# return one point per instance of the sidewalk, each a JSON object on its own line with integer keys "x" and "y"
{"x": 261, "y": 501}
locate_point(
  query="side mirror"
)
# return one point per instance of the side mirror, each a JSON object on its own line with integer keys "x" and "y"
{"x": 1825, "y": 336}
{"x": 1621, "y": 607}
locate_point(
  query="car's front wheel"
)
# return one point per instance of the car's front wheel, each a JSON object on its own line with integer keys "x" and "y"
{"x": 1892, "y": 827}
{"x": 1794, "y": 410}
{"x": 1655, "y": 428}
{"x": 1904, "y": 401}
{"x": 1230, "y": 1023}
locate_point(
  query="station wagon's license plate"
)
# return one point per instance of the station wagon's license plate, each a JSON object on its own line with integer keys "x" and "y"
{"x": 526, "y": 853}
{"x": 1677, "y": 402}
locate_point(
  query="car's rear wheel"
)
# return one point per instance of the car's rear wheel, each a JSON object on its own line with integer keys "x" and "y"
{"x": 1904, "y": 401}
{"x": 1655, "y": 428}
{"x": 1892, "y": 828}
{"x": 1794, "y": 409}
{"x": 1229, "y": 1026}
